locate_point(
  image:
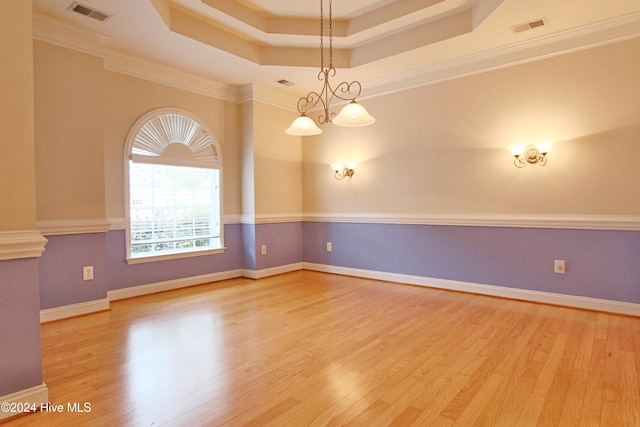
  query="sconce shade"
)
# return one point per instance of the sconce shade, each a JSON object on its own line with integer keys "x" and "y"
{"x": 303, "y": 126}
{"x": 353, "y": 115}
{"x": 530, "y": 154}
{"x": 516, "y": 150}
{"x": 336, "y": 166}
{"x": 544, "y": 147}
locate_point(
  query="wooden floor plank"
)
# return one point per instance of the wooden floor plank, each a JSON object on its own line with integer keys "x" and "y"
{"x": 308, "y": 348}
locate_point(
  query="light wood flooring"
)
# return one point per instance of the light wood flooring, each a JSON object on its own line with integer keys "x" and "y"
{"x": 314, "y": 349}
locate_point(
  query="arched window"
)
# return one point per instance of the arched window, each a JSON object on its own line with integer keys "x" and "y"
{"x": 174, "y": 187}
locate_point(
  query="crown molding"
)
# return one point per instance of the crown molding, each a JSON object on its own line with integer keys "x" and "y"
{"x": 580, "y": 222}
{"x": 174, "y": 77}
{"x": 253, "y": 92}
{"x": 59, "y": 33}
{"x": 576, "y": 39}
{"x": 21, "y": 244}
{"x": 604, "y": 32}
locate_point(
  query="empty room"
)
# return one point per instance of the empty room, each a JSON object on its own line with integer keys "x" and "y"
{"x": 320, "y": 212}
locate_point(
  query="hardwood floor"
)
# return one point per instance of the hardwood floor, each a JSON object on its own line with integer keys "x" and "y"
{"x": 313, "y": 349}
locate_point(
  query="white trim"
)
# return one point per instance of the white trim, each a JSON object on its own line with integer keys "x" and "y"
{"x": 255, "y": 93}
{"x": 169, "y": 285}
{"x": 588, "y": 36}
{"x": 232, "y": 219}
{"x": 73, "y": 226}
{"x": 35, "y": 395}
{"x": 586, "y": 303}
{"x": 56, "y": 32}
{"x": 117, "y": 223}
{"x": 176, "y": 255}
{"x": 580, "y": 222}
{"x": 273, "y": 271}
{"x": 174, "y": 77}
{"x": 21, "y": 244}
{"x": 120, "y": 223}
{"x": 271, "y": 218}
{"x": 72, "y": 310}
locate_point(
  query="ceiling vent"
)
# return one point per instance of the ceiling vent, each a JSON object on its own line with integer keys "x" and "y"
{"x": 285, "y": 82}
{"x": 88, "y": 11}
{"x": 529, "y": 25}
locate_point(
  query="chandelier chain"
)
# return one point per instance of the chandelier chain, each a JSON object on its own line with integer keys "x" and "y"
{"x": 330, "y": 35}
{"x": 321, "y": 35}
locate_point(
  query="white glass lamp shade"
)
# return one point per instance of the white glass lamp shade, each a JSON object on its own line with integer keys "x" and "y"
{"x": 303, "y": 126}
{"x": 516, "y": 150}
{"x": 337, "y": 166}
{"x": 544, "y": 146}
{"x": 352, "y": 115}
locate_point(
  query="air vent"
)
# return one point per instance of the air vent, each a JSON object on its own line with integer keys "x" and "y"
{"x": 88, "y": 11}
{"x": 285, "y": 82}
{"x": 529, "y": 25}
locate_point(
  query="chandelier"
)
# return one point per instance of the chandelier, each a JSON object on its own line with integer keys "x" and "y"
{"x": 353, "y": 114}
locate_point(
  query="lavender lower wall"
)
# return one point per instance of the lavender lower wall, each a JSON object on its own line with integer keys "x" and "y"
{"x": 599, "y": 264}
{"x": 20, "y": 353}
{"x": 61, "y": 266}
{"x": 284, "y": 244}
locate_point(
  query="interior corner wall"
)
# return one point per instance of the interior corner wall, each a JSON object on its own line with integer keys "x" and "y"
{"x": 83, "y": 115}
{"x": 440, "y": 150}
{"x": 272, "y": 188}
{"x": 21, "y": 355}
{"x": 127, "y": 99}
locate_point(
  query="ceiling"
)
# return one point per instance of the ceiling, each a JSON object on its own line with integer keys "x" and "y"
{"x": 385, "y": 44}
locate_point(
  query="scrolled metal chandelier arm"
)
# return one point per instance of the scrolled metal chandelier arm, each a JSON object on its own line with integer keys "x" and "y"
{"x": 344, "y": 91}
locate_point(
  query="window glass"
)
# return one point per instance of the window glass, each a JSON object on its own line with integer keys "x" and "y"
{"x": 174, "y": 187}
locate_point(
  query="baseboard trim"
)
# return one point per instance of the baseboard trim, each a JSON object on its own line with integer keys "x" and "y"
{"x": 35, "y": 395}
{"x": 573, "y": 301}
{"x": 266, "y": 272}
{"x": 88, "y": 307}
{"x": 169, "y": 285}
{"x": 72, "y": 310}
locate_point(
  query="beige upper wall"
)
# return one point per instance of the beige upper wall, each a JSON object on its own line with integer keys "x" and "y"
{"x": 83, "y": 116}
{"x": 17, "y": 153}
{"x": 69, "y": 98}
{"x": 277, "y": 162}
{"x": 128, "y": 98}
{"x": 442, "y": 148}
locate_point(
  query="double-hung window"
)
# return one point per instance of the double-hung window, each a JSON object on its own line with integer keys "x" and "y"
{"x": 174, "y": 174}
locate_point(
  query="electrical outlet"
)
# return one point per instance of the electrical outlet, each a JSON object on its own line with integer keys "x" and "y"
{"x": 558, "y": 266}
{"x": 329, "y": 246}
{"x": 87, "y": 272}
{"x": 264, "y": 249}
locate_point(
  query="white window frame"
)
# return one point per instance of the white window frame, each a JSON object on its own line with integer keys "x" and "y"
{"x": 145, "y": 143}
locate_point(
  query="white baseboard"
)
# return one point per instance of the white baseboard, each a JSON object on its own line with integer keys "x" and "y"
{"x": 31, "y": 396}
{"x": 169, "y": 285}
{"x": 266, "y": 272}
{"x": 71, "y": 310}
{"x": 573, "y": 301}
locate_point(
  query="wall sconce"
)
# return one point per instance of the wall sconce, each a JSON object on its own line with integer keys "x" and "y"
{"x": 532, "y": 154}
{"x": 341, "y": 171}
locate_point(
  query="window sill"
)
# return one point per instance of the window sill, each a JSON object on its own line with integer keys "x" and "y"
{"x": 167, "y": 257}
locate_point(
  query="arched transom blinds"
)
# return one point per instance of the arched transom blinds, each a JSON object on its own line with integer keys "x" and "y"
{"x": 163, "y": 130}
